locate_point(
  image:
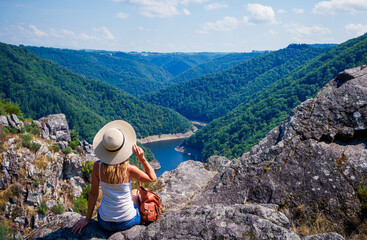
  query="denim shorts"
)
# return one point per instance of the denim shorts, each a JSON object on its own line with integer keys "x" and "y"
{"x": 121, "y": 226}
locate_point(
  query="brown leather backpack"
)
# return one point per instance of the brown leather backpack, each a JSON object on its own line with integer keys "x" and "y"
{"x": 150, "y": 205}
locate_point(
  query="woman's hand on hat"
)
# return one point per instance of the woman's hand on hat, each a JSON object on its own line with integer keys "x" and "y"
{"x": 139, "y": 152}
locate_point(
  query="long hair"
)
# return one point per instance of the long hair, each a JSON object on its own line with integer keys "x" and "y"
{"x": 115, "y": 173}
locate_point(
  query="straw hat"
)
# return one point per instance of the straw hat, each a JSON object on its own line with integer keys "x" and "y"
{"x": 113, "y": 144}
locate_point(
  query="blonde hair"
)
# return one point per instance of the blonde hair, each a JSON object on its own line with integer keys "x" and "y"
{"x": 115, "y": 173}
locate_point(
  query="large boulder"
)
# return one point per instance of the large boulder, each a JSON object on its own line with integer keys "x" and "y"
{"x": 314, "y": 160}
{"x": 55, "y": 127}
{"x": 177, "y": 188}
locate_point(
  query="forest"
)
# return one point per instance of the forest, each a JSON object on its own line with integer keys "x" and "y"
{"x": 212, "y": 96}
{"x": 241, "y": 95}
{"x": 234, "y": 133}
{"x": 41, "y": 87}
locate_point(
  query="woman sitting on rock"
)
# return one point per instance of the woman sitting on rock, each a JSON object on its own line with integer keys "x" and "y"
{"x": 119, "y": 209}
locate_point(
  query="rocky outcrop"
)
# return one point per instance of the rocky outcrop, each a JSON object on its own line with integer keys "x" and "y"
{"x": 11, "y": 121}
{"x": 56, "y": 128}
{"x": 314, "y": 161}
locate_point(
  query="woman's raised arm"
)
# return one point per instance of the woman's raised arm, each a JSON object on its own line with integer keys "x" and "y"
{"x": 149, "y": 174}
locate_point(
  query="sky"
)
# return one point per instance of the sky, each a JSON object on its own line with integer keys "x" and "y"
{"x": 180, "y": 25}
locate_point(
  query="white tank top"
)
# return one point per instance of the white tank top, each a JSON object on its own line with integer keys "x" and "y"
{"x": 117, "y": 204}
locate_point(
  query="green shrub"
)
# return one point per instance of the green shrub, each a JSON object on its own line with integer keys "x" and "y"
{"x": 80, "y": 206}
{"x": 12, "y": 108}
{"x": 35, "y": 146}
{"x": 87, "y": 170}
{"x": 28, "y": 127}
{"x": 57, "y": 209}
{"x": 22, "y": 129}
{"x": 26, "y": 143}
{"x": 362, "y": 196}
{"x": 73, "y": 144}
{"x": 74, "y": 135}
{"x": 75, "y": 152}
{"x": 3, "y": 231}
{"x": 11, "y": 129}
{"x": 86, "y": 191}
{"x": 54, "y": 148}
{"x": 26, "y": 137}
{"x": 66, "y": 150}
{"x": 43, "y": 208}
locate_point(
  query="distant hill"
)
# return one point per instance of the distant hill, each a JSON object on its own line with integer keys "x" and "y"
{"x": 176, "y": 63}
{"x": 212, "y": 96}
{"x": 217, "y": 65}
{"x": 41, "y": 87}
{"x": 129, "y": 72}
{"x": 235, "y": 133}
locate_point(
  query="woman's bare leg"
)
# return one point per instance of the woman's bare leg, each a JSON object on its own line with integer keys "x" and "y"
{"x": 135, "y": 197}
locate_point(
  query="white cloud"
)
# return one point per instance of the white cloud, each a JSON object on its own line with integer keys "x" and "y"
{"x": 333, "y": 7}
{"x": 215, "y": 6}
{"x": 106, "y": 33}
{"x": 302, "y": 33}
{"x": 281, "y": 11}
{"x": 86, "y": 37}
{"x": 261, "y": 13}
{"x": 356, "y": 29}
{"x": 186, "y": 12}
{"x": 37, "y": 32}
{"x": 298, "y": 10}
{"x": 271, "y": 33}
{"x": 225, "y": 24}
{"x": 122, "y": 15}
{"x": 161, "y": 8}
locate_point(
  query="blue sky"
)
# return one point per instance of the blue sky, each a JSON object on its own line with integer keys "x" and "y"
{"x": 180, "y": 25}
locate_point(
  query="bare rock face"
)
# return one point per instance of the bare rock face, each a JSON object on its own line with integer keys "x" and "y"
{"x": 315, "y": 159}
{"x": 178, "y": 187}
{"x": 218, "y": 221}
{"x": 55, "y": 127}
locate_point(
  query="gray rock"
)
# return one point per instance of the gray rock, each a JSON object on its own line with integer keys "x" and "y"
{"x": 34, "y": 197}
{"x": 5, "y": 163}
{"x": 316, "y": 154}
{"x": 174, "y": 193}
{"x": 4, "y": 121}
{"x": 72, "y": 166}
{"x": 325, "y": 236}
{"x": 57, "y": 127}
{"x": 218, "y": 163}
{"x": 15, "y": 119}
{"x": 60, "y": 226}
{"x": 77, "y": 184}
{"x": 217, "y": 222}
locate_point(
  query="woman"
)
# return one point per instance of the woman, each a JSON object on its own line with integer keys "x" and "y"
{"x": 119, "y": 209}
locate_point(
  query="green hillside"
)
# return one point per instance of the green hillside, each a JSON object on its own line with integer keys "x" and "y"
{"x": 176, "y": 63}
{"x": 41, "y": 87}
{"x": 129, "y": 72}
{"x": 217, "y": 65}
{"x": 212, "y": 96}
{"x": 235, "y": 133}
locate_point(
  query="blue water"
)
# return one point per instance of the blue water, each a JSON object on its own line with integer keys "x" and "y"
{"x": 168, "y": 157}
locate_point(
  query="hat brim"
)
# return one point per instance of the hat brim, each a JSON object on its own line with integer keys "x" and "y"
{"x": 126, "y": 150}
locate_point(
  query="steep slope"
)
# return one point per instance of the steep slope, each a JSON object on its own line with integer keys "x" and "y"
{"x": 217, "y": 65}
{"x": 128, "y": 72}
{"x": 176, "y": 63}
{"x": 312, "y": 165}
{"x": 206, "y": 98}
{"x": 42, "y": 88}
{"x": 234, "y": 133}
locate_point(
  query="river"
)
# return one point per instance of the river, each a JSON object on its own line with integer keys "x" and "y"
{"x": 168, "y": 157}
